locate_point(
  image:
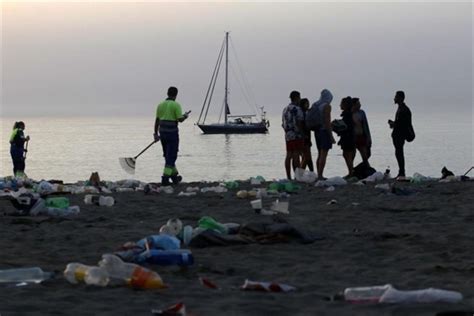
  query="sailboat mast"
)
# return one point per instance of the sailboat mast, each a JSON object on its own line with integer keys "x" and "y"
{"x": 226, "y": 73}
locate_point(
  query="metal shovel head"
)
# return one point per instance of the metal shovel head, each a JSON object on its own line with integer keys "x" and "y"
{"x": 128, "y": 164}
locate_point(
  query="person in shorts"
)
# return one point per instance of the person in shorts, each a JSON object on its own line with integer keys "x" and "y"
{"x": 293, "y": 125}
{"x": 323, "y": 135}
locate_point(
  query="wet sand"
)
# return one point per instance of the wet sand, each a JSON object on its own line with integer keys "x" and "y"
{"x": 422, "y": 240}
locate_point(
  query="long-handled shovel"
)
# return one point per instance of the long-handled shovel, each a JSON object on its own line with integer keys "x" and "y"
{"x": 468, "y": 171}
{"x": 25, "y": 151}
{"x": 128, "y": 164}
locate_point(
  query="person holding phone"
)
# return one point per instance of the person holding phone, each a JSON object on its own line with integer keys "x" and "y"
{"x": 401, "y": 130}
{"x": 168, "y": 115}
{"x": 17, "y": 148}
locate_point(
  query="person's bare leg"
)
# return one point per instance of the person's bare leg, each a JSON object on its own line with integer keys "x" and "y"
{"x": 349, "y": 158}
{"x": 296, "y": 160}
{"x": 288, "y": 165}
{"x": 322, "y": 163}
{"x": 364, "y": 154}
{"x": 318, "y": 165}
{"x": 309, "y": 159}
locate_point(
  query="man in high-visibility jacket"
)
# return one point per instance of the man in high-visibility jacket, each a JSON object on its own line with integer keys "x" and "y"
{"x": 168, "y": 115}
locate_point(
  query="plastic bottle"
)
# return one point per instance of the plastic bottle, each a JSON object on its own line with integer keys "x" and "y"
{"x": 208, "y": 222}
{"x": 175, "y": 224}
{"x": 75, "y": 272}
{"x": 106, "y": 201}
{"x": 28, "y": 275}
{"x": 57, "y": 202}
{"x": 91, "y": 199}
{"x": 367, "y": 294}
{"x": 165, "y": 242}
{"x": 429, "y": 295}
{"x": 72, "y": 210}
{"x": 180, "y": 257}
{"x": 97, "y": 276}
{"x": 133, "y": 274}
{"x": 231, "y": 184}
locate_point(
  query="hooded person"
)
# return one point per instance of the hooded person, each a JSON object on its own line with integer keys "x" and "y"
{"x": 323, "y": 135}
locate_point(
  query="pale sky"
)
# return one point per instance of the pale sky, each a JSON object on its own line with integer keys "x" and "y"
{"x": 119, "y": 58}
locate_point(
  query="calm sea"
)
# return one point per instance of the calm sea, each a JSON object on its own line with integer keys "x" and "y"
{"x": 72, "y": 148}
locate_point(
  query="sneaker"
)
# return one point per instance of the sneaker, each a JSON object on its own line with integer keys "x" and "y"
{"x": 165, "y": 181}
{"x": 176, "y": 179}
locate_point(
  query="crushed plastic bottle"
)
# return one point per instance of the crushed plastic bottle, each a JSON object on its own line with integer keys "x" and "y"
{"x": 388, "y": 294}
{"x": 76, "y": 272}
{"x": 134, "y": 275}
{"x": 208, "y": 222}
{"x": 26, "y": 275}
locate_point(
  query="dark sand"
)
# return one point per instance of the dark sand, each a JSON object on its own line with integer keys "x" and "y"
{"x": 418, "y": 241}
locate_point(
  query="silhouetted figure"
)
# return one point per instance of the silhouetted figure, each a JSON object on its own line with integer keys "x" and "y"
{"x": 402, "y": 130}
{"x": 323, "y": 135}
{"x": 362, "y": 137}
{"x": 293, "y": 125}
{"x": 347, "y": 141}
{"x": 17, "y": 148}
{"x": 307, "y": 159}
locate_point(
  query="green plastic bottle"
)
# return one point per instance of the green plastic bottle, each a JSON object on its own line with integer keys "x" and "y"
{"x": 208, "y": 222}
{"x": 57, "y": 202}
{"x": 231, "y": 185}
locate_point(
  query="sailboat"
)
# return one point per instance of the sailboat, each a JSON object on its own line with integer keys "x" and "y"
{"x": 233, "y": 124}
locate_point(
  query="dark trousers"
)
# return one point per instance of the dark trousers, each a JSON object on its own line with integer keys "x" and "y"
{"x": 170, "y": 144}
{"x": 18, "y": 159}
{"x": 399, "y": 142}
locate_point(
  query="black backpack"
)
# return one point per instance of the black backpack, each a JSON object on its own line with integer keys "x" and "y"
{"x": 314, "y": 119}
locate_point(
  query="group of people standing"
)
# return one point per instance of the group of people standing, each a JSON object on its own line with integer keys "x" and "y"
{"x": 299, "y": 120}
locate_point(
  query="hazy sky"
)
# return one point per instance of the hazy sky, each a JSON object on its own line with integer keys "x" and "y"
{"x": 119, "y": 58}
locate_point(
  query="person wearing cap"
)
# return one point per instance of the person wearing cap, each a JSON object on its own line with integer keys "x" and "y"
{"x": 293, "y": 125}
{"x": 168, "y": 115}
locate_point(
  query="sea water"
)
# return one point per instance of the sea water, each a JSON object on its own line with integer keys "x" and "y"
{"x": 72, "y": 148}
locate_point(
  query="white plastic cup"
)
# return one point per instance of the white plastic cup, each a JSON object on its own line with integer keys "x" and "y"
{"x": 256, "y": 204}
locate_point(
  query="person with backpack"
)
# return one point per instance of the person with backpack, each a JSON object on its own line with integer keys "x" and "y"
{"x": 17, "y": 148}
{"x": 318, "y": 119}
{"x": 402, "y": 131}
{"x": 293, "y": 125}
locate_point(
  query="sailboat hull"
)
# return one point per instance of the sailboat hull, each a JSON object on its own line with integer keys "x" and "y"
{"x": 251, "y": 128}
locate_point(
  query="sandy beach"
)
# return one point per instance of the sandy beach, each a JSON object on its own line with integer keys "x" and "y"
{"x": 370, "y": 238}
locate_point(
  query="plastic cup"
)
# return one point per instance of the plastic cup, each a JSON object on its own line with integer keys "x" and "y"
{"x": 256, "y": 205}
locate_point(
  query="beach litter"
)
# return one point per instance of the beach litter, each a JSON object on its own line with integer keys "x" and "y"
{"x": 215, "y": 189}
{"x": 330, "y": 189}
{"x": 187, "y": 194}
{"x": 231, "y": 185}
{"x": 208, "y": 283}
{"x": 100, "y": 200}
{"x": 376, "y": 176}
{"x": 281, "y": 206}
{"x": 306, "y": 176}
{"x": 266, "y": 286}
{"x": 112, "y": 271}
{"x": 24, "y": 276}
{"x": 258, "y": 180}
{"x": 178, "y": 309}
{"x": 385, "y": 187}
{"x": 334, "y": 181}
{"x": 419, "y": 178}
{"x": 332, "y": 202}
{"x": 388, "y": 294}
